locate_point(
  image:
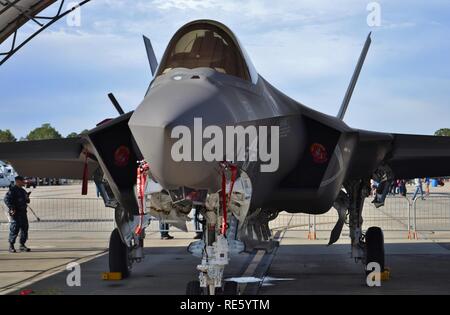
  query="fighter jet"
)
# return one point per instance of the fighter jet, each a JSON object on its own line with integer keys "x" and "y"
{"x": 214, "y": 135}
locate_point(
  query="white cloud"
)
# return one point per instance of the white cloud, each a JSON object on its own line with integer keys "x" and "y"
{"x": 184, "y": 4}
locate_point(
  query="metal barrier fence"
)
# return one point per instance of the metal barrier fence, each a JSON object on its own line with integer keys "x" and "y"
{"x": 398, "y": 214}
{"x": 66, "y": 214}
{"x": 432, "y": 214}
{"x": 90, "y": 215}
{"x": 72, "y": 215}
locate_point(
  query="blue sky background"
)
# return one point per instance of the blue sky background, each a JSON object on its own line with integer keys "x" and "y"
{"x": 307, "y": 49}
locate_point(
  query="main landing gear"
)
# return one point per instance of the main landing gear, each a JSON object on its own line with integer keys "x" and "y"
{"x": 367, "y": 248}
{"x": 119, "y": 255}
{"x": 126, "y": 244}
{"x": 374, "y": 240}
{"x": 126, "y": 247}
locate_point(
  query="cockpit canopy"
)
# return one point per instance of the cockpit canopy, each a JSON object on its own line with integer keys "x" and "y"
{"x": 205, "y": 45}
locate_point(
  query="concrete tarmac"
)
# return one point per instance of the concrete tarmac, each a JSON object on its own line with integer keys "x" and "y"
{"x": 310, "y": 267}
{"x": 50, "y": 254}
{"x": 298, "y": 266}
{"x": 166, "y": 269}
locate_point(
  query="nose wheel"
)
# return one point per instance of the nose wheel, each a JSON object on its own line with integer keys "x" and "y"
{"x": 193, "y": 288}
{"x": 230, "y": 288}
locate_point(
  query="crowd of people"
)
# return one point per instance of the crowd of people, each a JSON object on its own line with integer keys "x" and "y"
{"x": 399, "y": 187}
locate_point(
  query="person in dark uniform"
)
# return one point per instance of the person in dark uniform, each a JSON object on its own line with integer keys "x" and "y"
{"x": 17, "y": 200}
{"x": 164, "y": 230}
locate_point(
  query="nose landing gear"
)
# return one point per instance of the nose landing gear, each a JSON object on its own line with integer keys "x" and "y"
{"x": 193, "y": 288}
{"x": 219, "y": 242}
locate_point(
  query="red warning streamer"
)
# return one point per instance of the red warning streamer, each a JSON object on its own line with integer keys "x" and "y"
{"x": 227, "y": 197}
{"x": 84, "y": 185}
{"x": 141, "y": 181}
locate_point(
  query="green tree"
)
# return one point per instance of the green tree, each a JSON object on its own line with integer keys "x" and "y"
{"x": 46, "y": 131}
{"x": 72, "y": 135}
{"x": 443, "y": 132}
{"x": 7, "y": 136}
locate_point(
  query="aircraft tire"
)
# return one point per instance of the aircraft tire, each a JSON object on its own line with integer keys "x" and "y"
{"x": 375, "y": 246}
{"x": 230, "y": 288}
{"x": 193, "y": 288}
{"x": 118, "y": 255}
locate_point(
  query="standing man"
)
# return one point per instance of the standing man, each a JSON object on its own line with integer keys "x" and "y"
{"x": 17, "y": 200}
{"x": 402, "y": 187}
{"x": 419, "y": 189}
{"x": 164, "y": 230}
{"x": 427, "y": 186}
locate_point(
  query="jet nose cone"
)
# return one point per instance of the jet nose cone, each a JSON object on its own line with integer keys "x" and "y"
{"x": 169, "y": 100}
{"x": 166, "y": 107}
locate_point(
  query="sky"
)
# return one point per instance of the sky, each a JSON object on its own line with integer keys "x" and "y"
{"x": 306, "y": 48}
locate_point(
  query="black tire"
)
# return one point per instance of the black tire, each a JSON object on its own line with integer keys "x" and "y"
{"x": 375, "y": 246}
{"x": 193, "y": 288}
{"x": 118, "y": 255}
{"x": 230, "y": 288}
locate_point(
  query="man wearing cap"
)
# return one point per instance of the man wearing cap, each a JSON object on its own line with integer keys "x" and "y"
{"x": 17, "y": 200}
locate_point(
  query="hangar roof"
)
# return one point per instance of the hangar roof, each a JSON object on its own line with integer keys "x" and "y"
{"x": 15, "y": 13}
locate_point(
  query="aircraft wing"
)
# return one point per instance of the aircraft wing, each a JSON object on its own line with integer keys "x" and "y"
{"x": 409, "y": 156}
{"x": 58, "y": 158}
{"x": 419, "y": 156}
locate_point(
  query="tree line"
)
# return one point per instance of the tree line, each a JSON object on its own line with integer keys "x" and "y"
{"x": 46, "y": 131}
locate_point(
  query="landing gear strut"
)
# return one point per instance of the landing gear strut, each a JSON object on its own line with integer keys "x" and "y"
{"x": 368, "y": 248}
{"x": 215, "y": 251}
{"x": 219, "y": 240}
{"x": 358, "y": 191}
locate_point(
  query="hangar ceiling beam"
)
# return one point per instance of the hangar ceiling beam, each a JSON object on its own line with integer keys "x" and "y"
{"x": 26, "y": 14}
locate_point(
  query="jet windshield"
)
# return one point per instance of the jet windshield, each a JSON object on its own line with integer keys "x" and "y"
{"x": 205, "y": 45}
